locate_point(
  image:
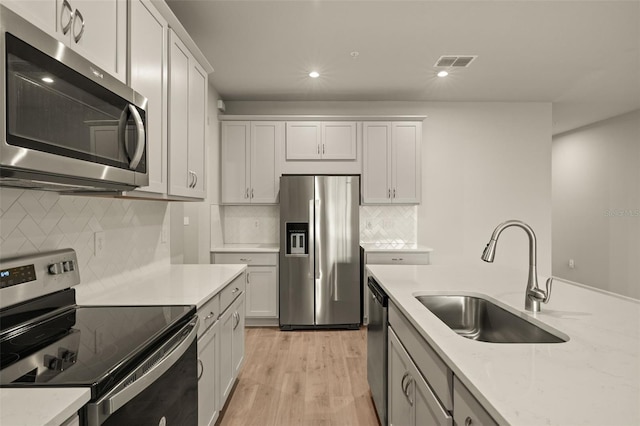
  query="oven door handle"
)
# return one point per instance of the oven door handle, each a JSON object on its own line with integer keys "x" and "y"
{"x": 99, "y": 411}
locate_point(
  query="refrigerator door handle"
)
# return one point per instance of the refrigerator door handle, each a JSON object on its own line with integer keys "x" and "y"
{"x": 317, "y": 241}
{"x": 311, "y": 239}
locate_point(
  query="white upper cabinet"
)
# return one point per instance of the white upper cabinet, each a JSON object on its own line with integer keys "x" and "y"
{"x": 312, "y": 140}
{"x": 97, "y": 30}
{"x": 391, "y": 164}
{"x": 250, "y": 171}
{"x": 148, "y": 76}
{"x": 187, "y": 121}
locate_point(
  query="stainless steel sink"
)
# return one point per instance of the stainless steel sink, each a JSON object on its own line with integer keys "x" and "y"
{"x": 479, "y": 319}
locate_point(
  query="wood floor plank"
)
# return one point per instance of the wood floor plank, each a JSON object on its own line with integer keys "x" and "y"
{"x": 311, "y": 378}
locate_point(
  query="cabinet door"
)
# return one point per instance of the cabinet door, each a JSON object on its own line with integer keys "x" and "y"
{"x": 179, "y": 179}
{"x": 400, "y": 411}
{"x": 339, "y": 140}
{"x": 266, "y": 139}
{"x": 238, "y": 335}
{"x": 262, "y": 292}
{"x": 99, "y": 33}
{"x": 207, "y": 377}
{"x": 226, "y": 377}
{"x": 376, "y": 164}
{"x": 148, "y": 76}
{"x": 235, "y": 170}
{"x": 44, "y": 14}
{"x": 197, "y": 123}
{"x": 303, "y": 140}
{"x": 405, "y": 162}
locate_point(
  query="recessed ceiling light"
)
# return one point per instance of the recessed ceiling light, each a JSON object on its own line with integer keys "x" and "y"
{"x": 47, "y": 79}
{"x": 442, "y": 73}
{"x": 314, "y": 74}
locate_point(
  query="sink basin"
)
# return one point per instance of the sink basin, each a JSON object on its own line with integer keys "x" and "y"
{"x": 479, "y": 319}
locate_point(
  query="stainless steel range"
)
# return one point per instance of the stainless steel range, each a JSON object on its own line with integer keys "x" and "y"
{"x": 139, "y": 361}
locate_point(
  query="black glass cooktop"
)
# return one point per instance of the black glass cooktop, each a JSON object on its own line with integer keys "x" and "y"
{"x": 85, "y": 345}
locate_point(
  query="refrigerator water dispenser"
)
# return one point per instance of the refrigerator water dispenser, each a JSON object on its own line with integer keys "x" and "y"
{"x": 297, "y": 238}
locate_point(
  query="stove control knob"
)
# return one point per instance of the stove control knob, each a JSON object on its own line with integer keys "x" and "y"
{"x": 68, "y": 266}
{"x": 53, "y": 363}
{"x": 56, "y": 268}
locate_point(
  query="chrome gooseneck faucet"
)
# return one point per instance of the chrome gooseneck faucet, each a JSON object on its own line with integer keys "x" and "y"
{"x": 534, "y": 295}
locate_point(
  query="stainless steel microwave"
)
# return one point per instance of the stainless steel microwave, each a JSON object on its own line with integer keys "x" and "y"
{"x": 66, "y": 124}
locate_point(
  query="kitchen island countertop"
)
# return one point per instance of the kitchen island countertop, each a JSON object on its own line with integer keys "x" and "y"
{"x": 40, "y": 406}
{"x": 592, "y": 379}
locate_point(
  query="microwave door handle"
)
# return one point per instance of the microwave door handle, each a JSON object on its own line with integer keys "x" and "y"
{"x": 141, "y": 136}
{"x": 113, "y": 402}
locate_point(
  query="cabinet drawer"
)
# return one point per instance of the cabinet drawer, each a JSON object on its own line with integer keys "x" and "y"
{"x": 402, "y": 258}
{"x": 468, "y": 409}
{"x": 209, "y": 313}
{"x": 434, "y": 370}
{"x": 233, "y": 290}
{"x": 263, "y": 259}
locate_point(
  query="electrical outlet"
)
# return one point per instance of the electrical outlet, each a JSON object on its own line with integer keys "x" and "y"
{"x": 99, "y": 243}
{"x": 186, "y": 221}
{"x": 572, "y": 264}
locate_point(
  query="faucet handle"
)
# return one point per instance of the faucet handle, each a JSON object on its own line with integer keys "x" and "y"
{"x": 548, "y": 285}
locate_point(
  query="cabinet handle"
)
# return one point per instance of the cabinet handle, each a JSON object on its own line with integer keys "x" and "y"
{"x": 251, "y": 192}
{"x": 407, "y": 393}
{"x": 246, "y": 193}
{"x": 67, "y": 6}
{"x": 318, "y": 149}
{"x": 201, "y": 365}
{"x": 235, "y": 290}
{"x": 397, "y": 259}
{"x": 323, "y": 148}
{"x": 389, "y": 193}
{"x": 195, "y": 179}
{"x": 394, "y": 193}
{"x": 468, "y": 421}
{"x": 211, "y": 314}
{"x": 402, "y": 384}
{"x": 248, "y": 280}
{"x": 245, "y": 259}
{"x": 237, "y": 318}
{"x": 77, "y": 14}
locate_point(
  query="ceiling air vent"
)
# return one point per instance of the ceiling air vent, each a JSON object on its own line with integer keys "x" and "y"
{"x": 454, "y": 61}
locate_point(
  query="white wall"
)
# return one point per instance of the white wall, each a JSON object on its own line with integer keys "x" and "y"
{"x": 596, "y": 204}
{"x": 482, "y": 163}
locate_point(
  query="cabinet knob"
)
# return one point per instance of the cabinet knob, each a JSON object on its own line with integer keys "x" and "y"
{"x": 468, "y": 421}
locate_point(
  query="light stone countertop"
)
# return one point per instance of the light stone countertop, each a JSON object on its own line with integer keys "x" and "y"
{"x": 40, "y": 406}
{"x": 395, "y": 247}
{"x": 593, "y": 379}
{"x": 157, "y": 285}
{"x": 165, "y": 285}
{"x": 246, "y": 248}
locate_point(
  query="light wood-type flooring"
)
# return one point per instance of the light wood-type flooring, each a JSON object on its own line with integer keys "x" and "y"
{"x": 311, "y": 378}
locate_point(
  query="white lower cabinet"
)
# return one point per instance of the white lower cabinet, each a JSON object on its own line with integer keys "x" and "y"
{"x": 261, "y": 284}
{"x": 231, "y": 346}
{"x": 411, "y": 401}
{"x": 468, "y": 410}
{"x": 208, "y": 407}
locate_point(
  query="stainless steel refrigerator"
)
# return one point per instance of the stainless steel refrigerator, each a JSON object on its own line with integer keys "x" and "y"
{"x": 319, "y": 252}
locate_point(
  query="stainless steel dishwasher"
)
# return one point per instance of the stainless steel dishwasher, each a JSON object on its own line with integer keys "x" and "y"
{"x": 377, "y": 358}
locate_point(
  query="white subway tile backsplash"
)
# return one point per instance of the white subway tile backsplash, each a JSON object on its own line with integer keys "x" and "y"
{"x": 389, "y": 224}
{"x": 251, "y": 224}
{"x": 37, "y": 221}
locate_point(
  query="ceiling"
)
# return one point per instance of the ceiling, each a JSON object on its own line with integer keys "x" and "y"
{"x": 583, "y": 56}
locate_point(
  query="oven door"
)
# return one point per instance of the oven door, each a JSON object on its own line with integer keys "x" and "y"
{"x": 163, "y": 390}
